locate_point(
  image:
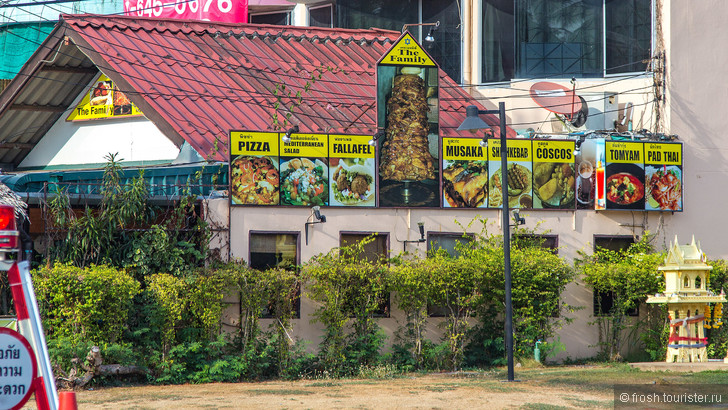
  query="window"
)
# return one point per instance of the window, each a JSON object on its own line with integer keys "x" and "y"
{"x": 279, "y": 18}
{"x": 376, "y": 250}
{"x": 272, "y": 250}
{"x": 450, "y": 242}
{"x": 275, "y": 250}
{"x": 613, "y": 242}
{"x": 553, "y": 38}
{"x": 545, "y": 241}
{"x": 604, "y": 301}
{"x": 393, "y": 15}
{"x": 321, "y": 16}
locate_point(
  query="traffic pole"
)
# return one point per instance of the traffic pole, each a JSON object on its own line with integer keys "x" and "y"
{"x": 30, "y": 326}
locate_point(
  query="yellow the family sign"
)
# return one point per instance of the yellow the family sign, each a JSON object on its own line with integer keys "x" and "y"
{"x": 103, "y": 100}
{"x": 406, "y": 51}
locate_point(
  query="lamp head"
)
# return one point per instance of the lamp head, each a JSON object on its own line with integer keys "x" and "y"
{"x": 421, "y": 226}
{"x": 287, "y": 137}
{"x": 317, "y": 214}
{"x": 518, "y": 218}
{"x": 472, "y": 120}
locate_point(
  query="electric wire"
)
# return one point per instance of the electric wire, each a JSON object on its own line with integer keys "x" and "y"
{"x": 308, "y": 98}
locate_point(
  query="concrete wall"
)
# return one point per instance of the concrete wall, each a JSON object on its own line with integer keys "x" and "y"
{"x": 696, "y": 102}
{"x": 575, "y": 231}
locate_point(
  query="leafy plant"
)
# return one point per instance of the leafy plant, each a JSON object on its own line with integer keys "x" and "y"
{"x": 85, "y": 304}
{"x": 629, "y": 276}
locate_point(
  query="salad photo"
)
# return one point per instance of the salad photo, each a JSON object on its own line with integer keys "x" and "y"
{"x": 304, "y": 182}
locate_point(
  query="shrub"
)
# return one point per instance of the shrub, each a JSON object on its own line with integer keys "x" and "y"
{"x": 85, "y": 304}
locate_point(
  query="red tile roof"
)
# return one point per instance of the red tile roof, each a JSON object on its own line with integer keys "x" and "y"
{"x": 198, "y": 80}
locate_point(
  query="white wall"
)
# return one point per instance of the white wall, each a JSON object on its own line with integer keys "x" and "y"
{"x": 576, "y": 231}
{"x": 696, "y": 104}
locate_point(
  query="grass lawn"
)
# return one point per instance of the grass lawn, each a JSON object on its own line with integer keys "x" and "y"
{"x": 538, "y": 387}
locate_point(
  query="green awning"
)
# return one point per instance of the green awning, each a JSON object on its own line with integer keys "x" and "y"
{"x": 167, "y": 181}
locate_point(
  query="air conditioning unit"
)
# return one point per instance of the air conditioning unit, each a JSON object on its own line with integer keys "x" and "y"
{"x": 603, "y": 110}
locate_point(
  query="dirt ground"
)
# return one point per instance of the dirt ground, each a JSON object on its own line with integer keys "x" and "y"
{"x": 433, "y": 391}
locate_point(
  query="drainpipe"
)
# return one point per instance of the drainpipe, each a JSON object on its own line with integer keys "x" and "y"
{"x": 466, "y": 29}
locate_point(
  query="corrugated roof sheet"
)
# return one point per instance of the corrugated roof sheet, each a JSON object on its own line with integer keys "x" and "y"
{"x": 198, "y": 80}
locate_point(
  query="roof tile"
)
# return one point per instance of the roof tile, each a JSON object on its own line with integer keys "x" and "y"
{"x": 205, "y": 79}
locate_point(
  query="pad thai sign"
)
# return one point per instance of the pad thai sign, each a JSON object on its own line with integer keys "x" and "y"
{"x": 341, "y": 170}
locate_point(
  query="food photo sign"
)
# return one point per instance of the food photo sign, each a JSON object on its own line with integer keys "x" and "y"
{"x": 304, "y": 170}
{"x": 254, "y": 176}
{"x": 341, "y": 170}
{"x": 554, "y": 176}
{"x": 407, "y": 112}
{"x": 519, "y": 173}
{"x": 464, "y": 173}
{"x": 624, "y": 175}
{"x": 663, "y": 176}
{"x": 103, "y": 100}
{"x": 351, "y": 161}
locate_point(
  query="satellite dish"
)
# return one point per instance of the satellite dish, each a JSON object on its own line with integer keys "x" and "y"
{"x": 556, "y": 98}
{"x": 579, "y": 117}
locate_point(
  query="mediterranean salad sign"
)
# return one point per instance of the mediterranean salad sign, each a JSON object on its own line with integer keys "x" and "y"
{"x": 304, "y": 167}
{"x": 351, "y": 160}
{"x": 254, "y": 177}
{"x": 19, "y": 369}
{"x": 624, "y": 175}
{"x": 520, "y": 165}
{"x": 663, "y": 176}
{"x": 464, "y": 173}
{"x": 103, "y": 100}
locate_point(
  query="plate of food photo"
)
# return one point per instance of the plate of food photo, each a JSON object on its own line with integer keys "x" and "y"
{"x": 352, "y": 182}
{"x": 304, "y": 182}
{"x": 254, "y": 180}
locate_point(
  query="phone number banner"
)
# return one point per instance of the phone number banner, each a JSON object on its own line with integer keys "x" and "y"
{"x": 226, "y": 11}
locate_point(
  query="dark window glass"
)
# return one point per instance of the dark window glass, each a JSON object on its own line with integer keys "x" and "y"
{"x": 376, "y": 250}
{"x": 446, "y": 50}
{"x": 451, "y": 243}
{"x": 373, "y": 251}
{"x": 629, "y": 35}
{"x": 280, "y": 19}
{"x": 498, "y": 43}
{"x": 604, "y": 301}
{"x": 393, "y": 15}
{"x": 321, "y": 16}
{"x": 447, "y": 241}
{"x": 545, "y": 241}
{"x": 613, "y": 242}
{"x": 270, "y": 250}
{"x": 554, "y": 38}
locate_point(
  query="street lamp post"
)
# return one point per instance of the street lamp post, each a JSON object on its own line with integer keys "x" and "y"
{"x": 473, "y": 122}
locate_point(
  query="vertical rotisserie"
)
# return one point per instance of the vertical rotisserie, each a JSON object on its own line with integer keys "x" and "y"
{"x": 405, "y": 152}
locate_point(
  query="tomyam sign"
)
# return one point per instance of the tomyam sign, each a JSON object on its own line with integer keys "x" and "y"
{"x": 625, "y": 175}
